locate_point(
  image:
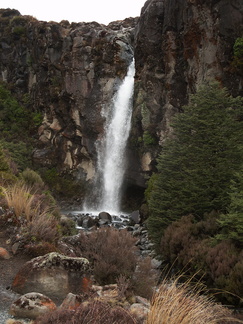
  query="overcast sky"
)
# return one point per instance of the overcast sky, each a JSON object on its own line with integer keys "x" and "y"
{"x": 101, "y": 11}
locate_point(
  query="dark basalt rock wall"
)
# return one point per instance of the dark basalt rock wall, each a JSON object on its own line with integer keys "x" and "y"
{"x": 179, "y": 44}
{"x": 70, "y": 73}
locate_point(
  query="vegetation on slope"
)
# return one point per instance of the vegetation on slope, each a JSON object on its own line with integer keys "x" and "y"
{"x": 195, "y": 199}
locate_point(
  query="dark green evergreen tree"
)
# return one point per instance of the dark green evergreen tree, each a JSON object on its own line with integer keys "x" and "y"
{"x": 232, "y": 222}
{"x": 196, "y": 167}
{"x": 4, "y": 166}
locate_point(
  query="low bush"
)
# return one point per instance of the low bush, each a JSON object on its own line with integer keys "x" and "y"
{"x": 42, "y": 248}
{"x": 112, "y": 253}
{"x": 33, "y": 179}
{"x": 191, "y": 246}
{"x": 114, "y": 256}
{"x": 43, "y": 227}
{"x": 62, "y": 185}
{"x": 91, "y": 312}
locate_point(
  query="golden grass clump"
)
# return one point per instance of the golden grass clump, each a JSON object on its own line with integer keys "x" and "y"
{"x": 182, "y": 303}
{"x": 19, "y": 198}
{"x": 37, "y": 220}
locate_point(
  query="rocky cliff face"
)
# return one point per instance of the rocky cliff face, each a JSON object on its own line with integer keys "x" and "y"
{"x": 178, "y": 45}
{"x": 70, "y": 73}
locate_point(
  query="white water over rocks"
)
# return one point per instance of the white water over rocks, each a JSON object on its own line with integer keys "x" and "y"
{"x": 111, "y": 148}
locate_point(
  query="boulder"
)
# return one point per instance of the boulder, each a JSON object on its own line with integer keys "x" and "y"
{"x": 71, "y": 302}
{"x": 135, "y": 217}
{"x": 105, "y": 215}
{"x": 31, "y": 306}
{"x": 88, "y": 222}
{"x": 54, "y": 275}
{"x": 104, "y": 218}
{"x": 4, "y": 254}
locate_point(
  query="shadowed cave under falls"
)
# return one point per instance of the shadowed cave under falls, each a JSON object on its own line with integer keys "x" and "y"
{"x": 106, "y": 192}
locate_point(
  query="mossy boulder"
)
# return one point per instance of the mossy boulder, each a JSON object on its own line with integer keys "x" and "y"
{"x": 54, "y": 275}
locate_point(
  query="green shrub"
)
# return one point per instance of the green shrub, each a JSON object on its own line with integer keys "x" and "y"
{"x": 19, "y": 151}
{"x": 62, "y": 185}
{"x": 148, "y": 139}
{"x": 4, "y": 166}
{"x": 33, "y": 179}
{"x": 238, "y": 54}
{"x": 68, "y": 226}
{"x": 19, "y": 30}
{"x": 231, "y": 223}
{"x": 18, "y": 21}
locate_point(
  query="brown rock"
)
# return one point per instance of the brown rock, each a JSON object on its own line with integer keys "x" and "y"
{"x": 31, "y": 306}
{"x": 4, "y": 254}
{"x": 71, "y": 302}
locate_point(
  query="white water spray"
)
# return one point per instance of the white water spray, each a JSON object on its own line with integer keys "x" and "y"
{"x": 111, "y": 150}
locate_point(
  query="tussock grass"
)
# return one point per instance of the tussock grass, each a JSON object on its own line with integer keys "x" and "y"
{"x": 37, "y": 220}
{"x": 19, "y": 198}
{"x": 184, "y": 303}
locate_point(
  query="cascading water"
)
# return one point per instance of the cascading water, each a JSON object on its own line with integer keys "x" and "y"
{"x": 111, "y": 148}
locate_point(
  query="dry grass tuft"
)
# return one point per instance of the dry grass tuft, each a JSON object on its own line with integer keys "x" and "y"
{"x": 36, "y": 221}
{"x": 19, "y": 198}
{"x": 183, "y": 303}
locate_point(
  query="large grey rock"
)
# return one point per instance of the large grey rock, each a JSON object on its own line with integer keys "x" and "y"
{"x": 104, "y": 218}
{"x": 135, "y": 217}
{"x": 54, "y": 275}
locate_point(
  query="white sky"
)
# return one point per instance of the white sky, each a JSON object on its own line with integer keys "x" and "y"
{"x": 101, "y": 11}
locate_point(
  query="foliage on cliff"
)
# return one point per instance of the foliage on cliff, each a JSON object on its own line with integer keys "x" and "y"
{"x": 17, "y": 124}
{"x": 238, "y": 55}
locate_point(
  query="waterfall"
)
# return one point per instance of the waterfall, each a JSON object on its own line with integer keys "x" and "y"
{"x": 111, "y": 148}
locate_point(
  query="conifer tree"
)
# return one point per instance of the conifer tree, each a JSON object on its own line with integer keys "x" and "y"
{"x": 3, "y": 161}
{"x": 232, "y": 222}
{"x": 196, "y": 166}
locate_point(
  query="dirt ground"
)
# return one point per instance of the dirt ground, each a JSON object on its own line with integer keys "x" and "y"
{"x": 8, "y": 270}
